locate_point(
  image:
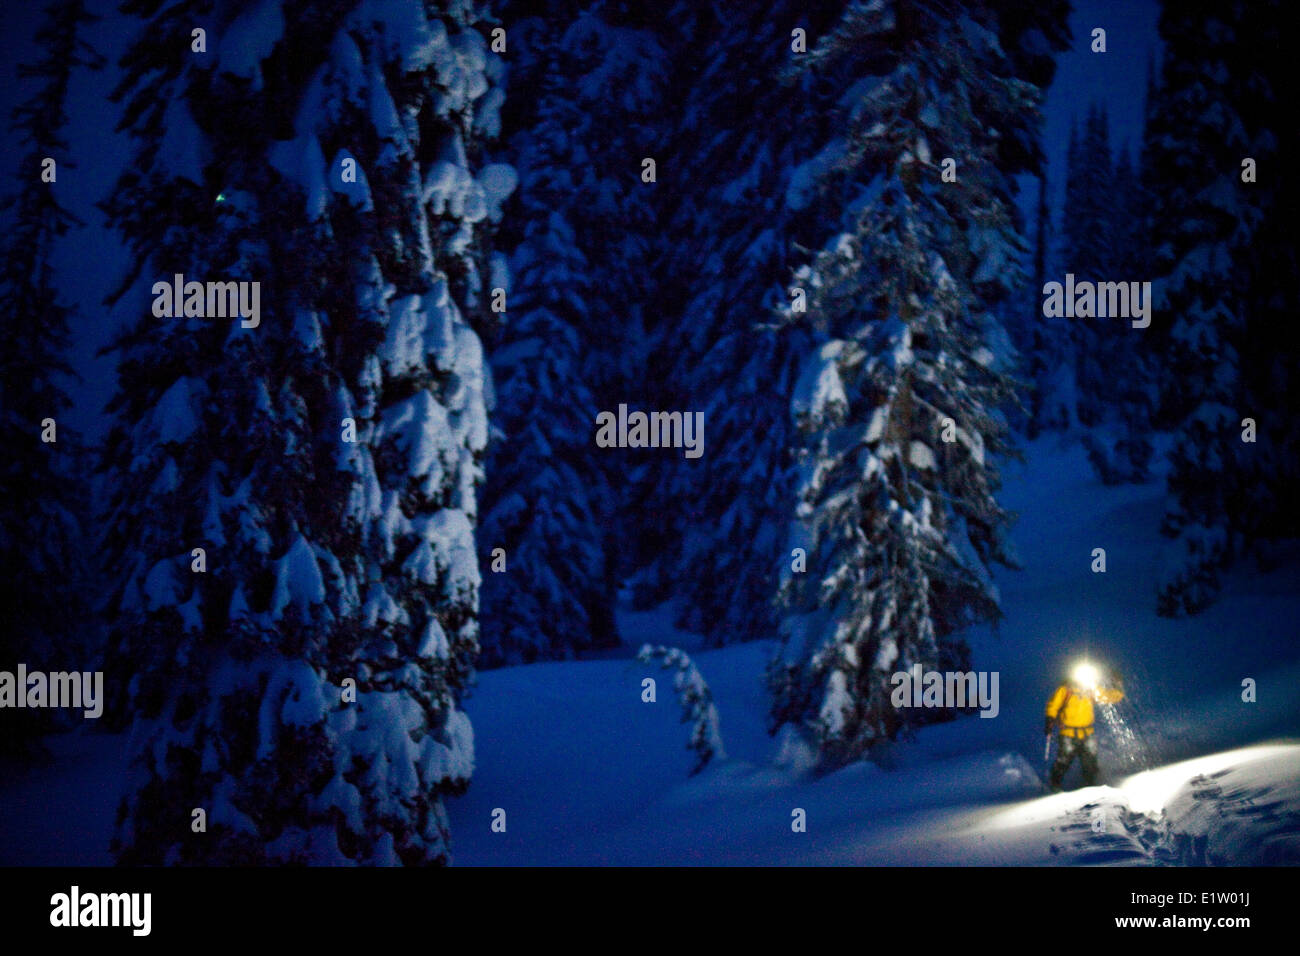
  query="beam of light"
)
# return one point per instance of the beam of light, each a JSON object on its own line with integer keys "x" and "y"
{"x": 1039, "y": 810}
{"x": 1086, "y": 674}
{"x": 1146, "y": 793}
{"x": 1150, "y": 792}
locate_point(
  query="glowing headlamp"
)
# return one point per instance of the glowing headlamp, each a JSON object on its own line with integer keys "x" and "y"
{"x": 1086, "y": 675}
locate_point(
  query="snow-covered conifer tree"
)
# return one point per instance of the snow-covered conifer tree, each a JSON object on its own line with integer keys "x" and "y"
{"x": 1088, "y": 237}
{"x": 547, "y": 504}
{"x": 590, "y": 77}
{"x": 900, "y": 404}
{"x": 733, "y": 227}
{"x": 1210, "y": 113}
{"x": 292, "y": 526}
{"x": 1044, "y": 342}
{"x": 1131, "y": 359}
{"x": 698, "y": 708}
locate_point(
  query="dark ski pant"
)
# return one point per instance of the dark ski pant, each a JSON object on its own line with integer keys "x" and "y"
{"x": 1067, "y": 749}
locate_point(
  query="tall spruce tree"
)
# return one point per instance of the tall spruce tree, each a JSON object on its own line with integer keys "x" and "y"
{"x": 547, "y": 502}
{"x": 298, "y": 678}
{"x": 1269, "y": 350}
{"x": 1088, "y": 234}
{"x": 1223, "y": 242}
{"x": 900, "y": 405}
{"x": 1105, "y": 241}
{"x": 734, "y": 226}
{"x": 1042, "y": 338}
{"x": 44, "y": 545}
{"x": 1130, "y": 361}
{"x": 622, "y": 54}
{"x": 592, "y": 77}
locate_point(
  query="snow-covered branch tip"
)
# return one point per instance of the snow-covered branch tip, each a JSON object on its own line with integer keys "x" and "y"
{"x": 697, "y": 702}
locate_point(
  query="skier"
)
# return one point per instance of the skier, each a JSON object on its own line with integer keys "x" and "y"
{"x": 1069, "y": 712}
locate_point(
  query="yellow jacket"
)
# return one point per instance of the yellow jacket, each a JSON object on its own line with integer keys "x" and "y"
{"x": 1077, "y": 717}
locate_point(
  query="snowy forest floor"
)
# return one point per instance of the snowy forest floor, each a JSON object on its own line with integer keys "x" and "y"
{"x": 589, "y": 774}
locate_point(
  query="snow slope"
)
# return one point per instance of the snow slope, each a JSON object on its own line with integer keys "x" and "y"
{"x": 588, "y": 774}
